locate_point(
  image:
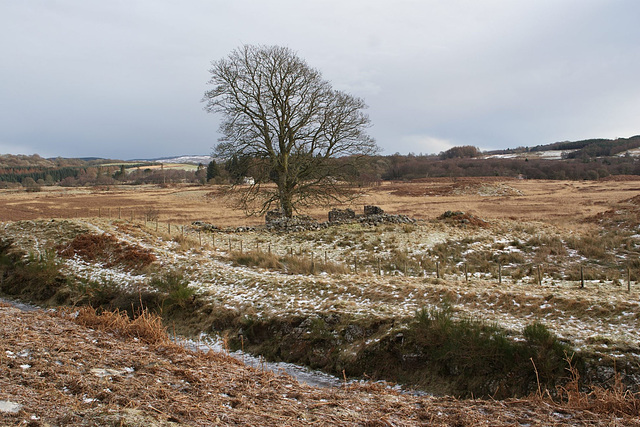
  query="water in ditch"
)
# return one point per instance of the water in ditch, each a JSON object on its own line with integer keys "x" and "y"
{"x": 206, "y": 343}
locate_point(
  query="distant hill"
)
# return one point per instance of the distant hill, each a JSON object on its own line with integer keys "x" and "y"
{"x": 190, "y": 159}
{"x": 588, "y": 148}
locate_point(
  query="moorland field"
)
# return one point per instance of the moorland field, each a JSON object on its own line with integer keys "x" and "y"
{"x": 523, "y": 290}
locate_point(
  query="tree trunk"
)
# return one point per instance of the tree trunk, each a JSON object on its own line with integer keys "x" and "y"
{"x": 285, "y": 189}
{"x": 286, "y": 204}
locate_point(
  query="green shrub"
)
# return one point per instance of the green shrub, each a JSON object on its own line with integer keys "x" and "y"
{"x": 473, "y": 350}
{"x": 32, "y": 276}
{"x": 174, "y": 289}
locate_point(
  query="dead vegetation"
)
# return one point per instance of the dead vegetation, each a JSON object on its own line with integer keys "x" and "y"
{"x": 60, "y": 372}
{"x": 106, "y": 249}
{"x": 615, "y": 400}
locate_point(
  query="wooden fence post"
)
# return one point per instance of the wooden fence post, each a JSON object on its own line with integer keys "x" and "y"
{"x": 466, "y": 274}
{"x": 628, "y": 279}
{"x": 437, "y": 269}
{"x": 499, "y": 273}
{"x": 581, "y": 278}
{"x": 119, "y": 212}
{"x": 539, "y": 277}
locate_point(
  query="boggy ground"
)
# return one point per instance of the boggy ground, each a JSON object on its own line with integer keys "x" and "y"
{"x": 79, "y": 368}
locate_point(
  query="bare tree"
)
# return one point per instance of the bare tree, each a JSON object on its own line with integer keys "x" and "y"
{"x": 302, "y": 135}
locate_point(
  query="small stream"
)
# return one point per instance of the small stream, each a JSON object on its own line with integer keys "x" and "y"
{"x": 303, "y": 374}
{"x": 21, "y": 305}
{"x": 206, "y": 343}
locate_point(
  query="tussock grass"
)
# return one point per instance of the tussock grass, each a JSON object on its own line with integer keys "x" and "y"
{"x": 291, "y": 264}
{"x": 258, "y": 259}
{"x": 304, "y": 265}
{"x": 144, "y": 326}
{"x": 185, "y": 242}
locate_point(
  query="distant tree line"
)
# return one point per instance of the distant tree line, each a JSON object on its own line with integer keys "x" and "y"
{"x": 588, "y": 160}
{"x": 399, "y": 167}
{"x": 375, "y": 170}
{"x": 51, "y": 175}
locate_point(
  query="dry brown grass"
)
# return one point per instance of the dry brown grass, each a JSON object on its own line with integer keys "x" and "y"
{"x": 616, "y": 400}
{"x": 425, "y": 199}
{"x": 107, "y": 249}
{"x": 63, "y": 373}
{"x": 145, "y": 326}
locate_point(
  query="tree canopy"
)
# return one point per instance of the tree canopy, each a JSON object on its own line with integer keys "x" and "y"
{"x": 281, "y": 113}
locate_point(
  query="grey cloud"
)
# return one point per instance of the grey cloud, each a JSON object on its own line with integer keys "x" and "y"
{"x": 124, "y": 79}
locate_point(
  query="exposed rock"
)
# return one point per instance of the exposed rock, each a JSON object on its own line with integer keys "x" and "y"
{"x": 462, "y": 219}
{"x": 386, "y": 219}
{"x": 9, "y": 407}
{"x": 336, "y": 217}
{"x": 203, "y": 226}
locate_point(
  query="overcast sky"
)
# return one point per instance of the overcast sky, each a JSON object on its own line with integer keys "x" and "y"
{"x": 124, "y": 78}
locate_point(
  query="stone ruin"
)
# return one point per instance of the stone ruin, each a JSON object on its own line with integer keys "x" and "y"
{"x": 373, "y": 215}
{"x": 272, "y": 216}
{"x": 372, "y": 210}
{"x": 338, "y": 215}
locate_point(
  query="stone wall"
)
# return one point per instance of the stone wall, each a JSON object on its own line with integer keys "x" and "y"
{"x": 337, "y": 215}
{"x": 372, "y": 210}
{"x": 272, "y": 216}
